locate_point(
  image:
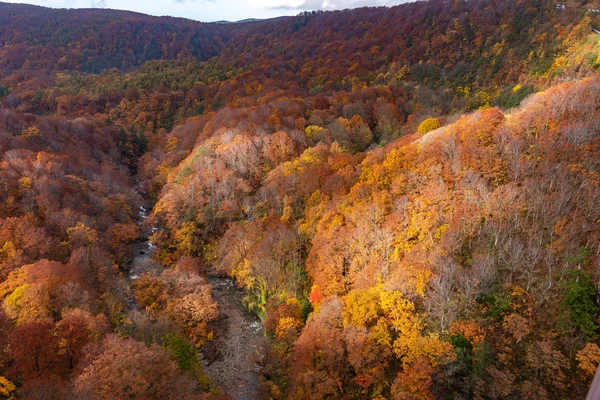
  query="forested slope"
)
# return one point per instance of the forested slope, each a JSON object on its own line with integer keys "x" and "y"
{"x": 461, "y": 261}
{"x": 92, "y": 40}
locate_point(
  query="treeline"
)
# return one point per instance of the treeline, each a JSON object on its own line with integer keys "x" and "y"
{"x": 447, "y": 56}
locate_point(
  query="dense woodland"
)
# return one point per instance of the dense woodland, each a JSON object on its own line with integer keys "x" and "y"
{"x": 409, "y": 198}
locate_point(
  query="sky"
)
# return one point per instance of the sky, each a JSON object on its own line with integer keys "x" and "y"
{"x": 214, "y": 10}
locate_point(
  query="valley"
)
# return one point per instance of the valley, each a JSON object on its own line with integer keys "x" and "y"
{"x": 372, "y": 203}
{"x": 233, "y": 359}
{"x": 235, "y": 352}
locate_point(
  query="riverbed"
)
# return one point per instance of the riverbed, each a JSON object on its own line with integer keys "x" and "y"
{"x": 232, "y": 359}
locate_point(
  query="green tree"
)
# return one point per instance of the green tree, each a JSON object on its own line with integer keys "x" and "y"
{"x": 580, "y": 298}
{"x": 182, "y": 351}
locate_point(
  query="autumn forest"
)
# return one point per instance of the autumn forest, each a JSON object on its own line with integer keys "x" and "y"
{"x": 379, "y": 203}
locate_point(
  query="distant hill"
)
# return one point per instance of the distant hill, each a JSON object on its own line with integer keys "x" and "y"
{"x": 95, "y": 39}
{"x": 446, "y": 56}
{"x": 239, "y": 22}
{"x": 465, "y": 42}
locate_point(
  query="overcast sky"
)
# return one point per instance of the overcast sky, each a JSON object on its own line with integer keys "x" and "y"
{"x": 214, "y": 10}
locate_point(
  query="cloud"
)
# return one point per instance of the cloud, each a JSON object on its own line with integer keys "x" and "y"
{"x": 323, "y": 4}
{"x": 71, "y": 3}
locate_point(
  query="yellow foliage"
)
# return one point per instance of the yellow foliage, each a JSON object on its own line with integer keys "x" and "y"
{"x": 381, "y": 334}
{"x": 285, "y": 326}
{"x": 8, "y": 251}
{"x": 440, "y": 231}
{"x": 312, "y": 131}
{"x": 483, "y": 98}
{"x": 428, "y": 125}
{"x": 432, "y": 348}
{"x": 6, "y": 387}
{"x": 337, "y": 220}
{"x": 392, "y": 322}
{"x": 400, "y": 311}
{"x": 12, "y": 303}
{"x": 185, "y": 237}
{"x": 172, "y": 143}
{"x": 560, "y": 61}
{"x": 288, "y": 211}
{"x": 242, "y": 274}
{"x": 335, "y": 148}
{"x": 375, "y": 174}
{"x": 361, "y": 307}
{"x": 421, "y": 281}
{"x": 315, "y": 206}
{"x": 286, "y": 216}
{"x": 30, "y": 132}
{"x": 307, "y": 160}
{"x": 294, "y": 304}
{"x": 26, "y": 303}
{"x": 25, "y": 183}
{"x": 82, "y": 234}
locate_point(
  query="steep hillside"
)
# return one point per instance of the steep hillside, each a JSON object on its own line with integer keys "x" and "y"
{"x": 458, "y": 263}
